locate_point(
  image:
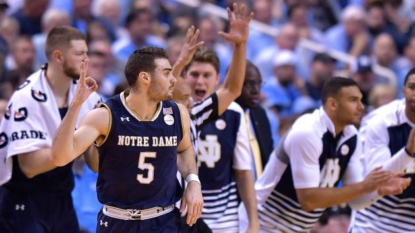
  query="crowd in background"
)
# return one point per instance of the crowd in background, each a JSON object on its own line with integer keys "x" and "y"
{"x": 375, "y": 32}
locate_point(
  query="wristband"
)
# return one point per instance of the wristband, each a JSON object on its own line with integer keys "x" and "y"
{"x": 192, "y": 177}
{"x": 412, "y": 155}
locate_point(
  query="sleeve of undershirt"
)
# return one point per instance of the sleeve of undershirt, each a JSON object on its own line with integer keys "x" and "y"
{"x": 304, "y": 148}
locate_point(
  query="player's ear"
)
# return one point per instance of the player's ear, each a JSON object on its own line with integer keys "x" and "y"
{"x": 57, "y": 56}
{"x": 331, "y": 103}
{"x": 144, "y": 77}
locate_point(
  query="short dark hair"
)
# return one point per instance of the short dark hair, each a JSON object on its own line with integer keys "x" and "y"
{"x": 251, "y": 66}
{"x": 294, "y": 7}
{"x": 61, "y": 37}
{"x": 142, "y": 60}
{"x": 135, "y": 14}
{"x": 334, "y": 85}
{"x": 410, "y": 72}
{"x": 205, "y": 55}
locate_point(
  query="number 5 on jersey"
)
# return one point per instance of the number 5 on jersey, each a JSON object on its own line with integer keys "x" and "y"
{"x": 142, "y": 165}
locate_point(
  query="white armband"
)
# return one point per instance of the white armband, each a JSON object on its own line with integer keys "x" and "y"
{"x": 192, "y": 177}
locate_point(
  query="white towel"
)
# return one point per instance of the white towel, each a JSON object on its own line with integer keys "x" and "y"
{"x": 31, "y": 119}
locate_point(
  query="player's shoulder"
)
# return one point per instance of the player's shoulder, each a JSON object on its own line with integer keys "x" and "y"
{"x": 235, "y": 107}
{"x": 27, "y": 90}
{"x": 388, "y": 115}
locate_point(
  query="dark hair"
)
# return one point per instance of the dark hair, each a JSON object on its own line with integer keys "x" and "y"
{"x": 250, "y": 66}
{"x": 135, "y": 14}
{"x": 334, "y": 85}
{"x": 142, "y": 60}
{"x": 410, "y": 72}
{"x": 205, "y": 55}
{"x": 294, "y": 7}
{"x": 61, "y": 37}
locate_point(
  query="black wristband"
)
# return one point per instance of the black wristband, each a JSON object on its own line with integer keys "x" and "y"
{"x": 409, "y": 153}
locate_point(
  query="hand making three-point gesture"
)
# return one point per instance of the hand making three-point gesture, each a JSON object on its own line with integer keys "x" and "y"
{"x": 86, "y": 85}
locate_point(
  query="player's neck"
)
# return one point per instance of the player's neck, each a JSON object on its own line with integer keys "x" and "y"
{"x": 141, "y": 105}
{"x": 410, "y": 115}
{"x": 58, "y": 81}
{"x": 338, "y": 125}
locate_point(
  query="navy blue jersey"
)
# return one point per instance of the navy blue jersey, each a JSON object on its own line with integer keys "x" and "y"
{"x": 223, "y": 147}
{"x": 138, "y": 159}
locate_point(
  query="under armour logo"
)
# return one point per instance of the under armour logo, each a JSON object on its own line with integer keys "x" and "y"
{"x": 20, "y": 207}
{"x": 103, "y": 223}
{"x": 125, "y": 119}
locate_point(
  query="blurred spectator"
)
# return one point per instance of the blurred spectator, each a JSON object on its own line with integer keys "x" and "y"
{"x": 50, "y": 19}
{"x": 286, "y": 39}
{"x": 3, "y": 106}
{"x": 384, "y": 52}
{"x": 381, "y": 94}
{"x": 30, "y": 16}
{"x": 407, "y": 61}
{"x": 97, "y": 30}
{"x": 138, "y": 25}
{"x": 174, "y": 48}
{"x": 209, "y": 27}
{"x": 22, "y": 58}
{"x": 9, "y": 30}
{"x": 297, "y": 15}
{"x": 258, "y": 40}
{"x": 322, "y": 16}
{"x": 109, "y": 10}
{"x": 322, "y": 69}
{"x": 116, "y": 67}
{"x": 350, "y": 36}
{"x": 364, "y": 76}
{"x": 280, "y": 90}
{"x": 98, "y": 69}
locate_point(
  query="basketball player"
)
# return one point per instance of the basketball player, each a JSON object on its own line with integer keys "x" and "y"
{"x": 138, "y": 134}
{"x": 36, "y": 196}
{"x": 300, "y": 179}
{"x": 390, "y": 136}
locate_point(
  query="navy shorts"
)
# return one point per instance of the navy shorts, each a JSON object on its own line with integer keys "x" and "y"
{"x": 36, "y": 213}
{"x": 167, "y": 223}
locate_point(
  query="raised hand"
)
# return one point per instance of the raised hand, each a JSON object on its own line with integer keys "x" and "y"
{"x": 190, "y": 46}
{"x": 86, "y": 85}
{"x": 239, "y": 25}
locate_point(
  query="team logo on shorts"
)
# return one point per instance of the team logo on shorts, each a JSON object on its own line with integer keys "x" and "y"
{"x": 8, "y": 112}
{"x": 3, "y": 140}
{"x": 21, "y": 114}
{"x": 220, "y": 124}
{"x": 24, "y": 84}
{"x": 344, "y": 150}
{"x": 169, "y": 119}
{"x": 39, "y": 96}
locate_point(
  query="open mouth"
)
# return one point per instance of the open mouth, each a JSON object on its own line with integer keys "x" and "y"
{"x": 200, "y": 94}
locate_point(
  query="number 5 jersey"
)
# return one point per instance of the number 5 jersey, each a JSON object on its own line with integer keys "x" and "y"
{"x": 138, "y": 159}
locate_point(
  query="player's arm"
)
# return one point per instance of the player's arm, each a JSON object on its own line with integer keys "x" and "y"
{"x": 378, "y": 152}
{"x": 304, "y": 148}
{"x": 68, "y": 144}
{"x": 35, "y": 163}
{"x": 186, "y": 165}
{"x": 242, "y": 165}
